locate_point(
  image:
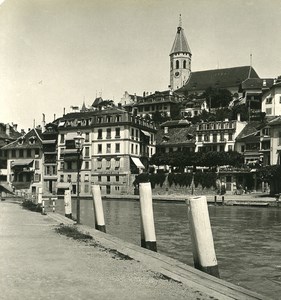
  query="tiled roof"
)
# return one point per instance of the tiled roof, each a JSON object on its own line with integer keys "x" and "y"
{"x": 180, "y": 43}
{"x": 276, "y": 121}
{"x": 176, "y": 136}
{"x": 219, "y": 78}
{"x": 257, "y": 83}
{"x": 249, "y": 131}
{"x": 26, "y": 138}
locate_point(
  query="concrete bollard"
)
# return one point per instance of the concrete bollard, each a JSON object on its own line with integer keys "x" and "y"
{"x": 40, "y": 196}
{"x": 147, "y": 216}
{"x": 98, "y": 208}
{"x": 204, "y": 255}
{"x": 67, "y": 204}
{"x": 215, "y": 199}
{"x": 222, "y": 200}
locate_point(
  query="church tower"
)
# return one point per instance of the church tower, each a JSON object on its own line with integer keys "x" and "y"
{"x": 180, "y": 60}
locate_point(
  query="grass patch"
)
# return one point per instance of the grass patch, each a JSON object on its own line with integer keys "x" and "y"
{"x": 73, "y": 232}
{"x": 28, "y": 204}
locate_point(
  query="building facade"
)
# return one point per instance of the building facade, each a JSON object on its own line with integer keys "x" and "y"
{"x": 117, "y": 146}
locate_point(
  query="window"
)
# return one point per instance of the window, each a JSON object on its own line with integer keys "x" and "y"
{"x": 87, "y": 151}
{"x": 36, "y": 164}
{"x": 215, "y": 138}
{"x": 221, "y": 148}
{"x": 132, "y": 148}
{"x": 13, "y": 153}
{"x": 69, "y": 178}
{"x": 99, "y": 119}
{"x": 99, "y": 148}
{"x": 99, "y": 163}
{"x": 87, "y": 165}
{"x": 28, "y": 153}
{"x": 108, "y": 119}
{"x": 117, "y": 148}
{"x": 86, "y": 188}
{"x": 206, "y": 138}
{"x": 177, "y": 64}
{"x": 117, "y": 163}
{"x": 87, "y": 137}
{"x": 230, "y": 148}
{"x": 268, "y": 100}
{"x": 37, "y": 177}
{"x": 184, "y": 64}
{"x": 107, "y": 178}
{"x": 117, "y": 132}
{"x": 221, "y": 137}
{"x": 62, "y": 138}
{"x": 268, "y": 111}
{"x": 108, "y": 148}
{"x": 108, "y": 163}
{"x": 230, "y": 136}
{"x": 279, "y": 99}
{"x": 279, "y": 139}
{"x": 132, "y": 133}
{"x": 118, "y": 118}
{"x": 61, "y": 178}
{"x": 137, "y": 149}
{"x": 86, "y": 178}
{"x": 21, "y": 153}
{"x": 108, "y": 133}
{"x": 99, "y": 178}
{"x": 100, "y": 134}
{"x": 117, "y": 178}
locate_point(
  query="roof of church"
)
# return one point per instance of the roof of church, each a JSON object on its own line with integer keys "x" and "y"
{"x": 180, "y": 43}
{"x": 218, "y": 78}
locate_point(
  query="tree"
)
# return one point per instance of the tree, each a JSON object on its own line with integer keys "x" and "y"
{"x": 217, "y": 97}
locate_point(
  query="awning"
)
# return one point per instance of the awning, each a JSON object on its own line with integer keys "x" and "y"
{"x": 4, "y": 187}
{"x": 137, "y": 162}
{"x": 146, "y": 133}
{"x": 63, "y": 185}
{"x": 22, "y": 162}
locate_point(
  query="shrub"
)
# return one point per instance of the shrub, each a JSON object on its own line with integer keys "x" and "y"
{"x": 28, "y": 204}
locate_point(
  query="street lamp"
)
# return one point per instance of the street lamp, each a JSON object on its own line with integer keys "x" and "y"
{"x": 79, "y": 146}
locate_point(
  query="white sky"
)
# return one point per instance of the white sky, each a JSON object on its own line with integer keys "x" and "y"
{"x": 56, "y": 53}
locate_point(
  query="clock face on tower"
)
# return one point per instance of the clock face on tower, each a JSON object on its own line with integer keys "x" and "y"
{"x": 177, "y": 74}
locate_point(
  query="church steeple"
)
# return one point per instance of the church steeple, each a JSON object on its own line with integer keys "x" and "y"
{"x": 180, "y": 59}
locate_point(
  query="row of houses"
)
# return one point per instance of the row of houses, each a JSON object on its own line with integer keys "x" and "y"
{"x": 116, "y": 147}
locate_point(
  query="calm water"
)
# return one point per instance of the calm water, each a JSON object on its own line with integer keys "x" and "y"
{"x": 247, "y": 239}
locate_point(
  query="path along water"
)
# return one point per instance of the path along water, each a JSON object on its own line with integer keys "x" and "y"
{"x": 247, "y": 239}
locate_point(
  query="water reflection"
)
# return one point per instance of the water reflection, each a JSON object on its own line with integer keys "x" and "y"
{"x": 247, "y": 239}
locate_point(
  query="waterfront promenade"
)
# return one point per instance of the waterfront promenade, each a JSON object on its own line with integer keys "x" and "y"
{"x": 37, "y": 263}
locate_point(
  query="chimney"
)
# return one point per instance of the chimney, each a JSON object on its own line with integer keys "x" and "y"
{"x": 135, "y": 97}
{"x": 22, "y": 132}
{"x": 238, "y": 117}
{"x": 8, "y": 129}
{"x": 119, "y": 105}
{"x": 54, "y": 117}
{"x": 15, "y": 127}
{"x": 264, "y": 82}
{"x": 274, "y": 81}
{"x": 43, "y": 123}
{"x": 64, "y": 111}
{"x": 144, "y": 94}
{"x": 166, "y": 130}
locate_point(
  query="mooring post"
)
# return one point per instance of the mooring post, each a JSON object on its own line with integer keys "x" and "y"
{"x": 67, "y": 204}
{"x": 98, "y": 208}
{"x": 215, "y": 199}
{"x": 147, "y": 216}
{"x": 204, "y": 255}
{"x": 222, "y": 200}
{"x": 43, "y": 207}
{"x": 53, "y": 204}
{"x": 40, "y": 196}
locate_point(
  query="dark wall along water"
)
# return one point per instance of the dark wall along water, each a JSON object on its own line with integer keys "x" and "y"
{"x": 247, "y": 239}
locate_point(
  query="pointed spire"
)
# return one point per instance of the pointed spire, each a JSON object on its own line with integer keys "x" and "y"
{"x": 180, "y": 42}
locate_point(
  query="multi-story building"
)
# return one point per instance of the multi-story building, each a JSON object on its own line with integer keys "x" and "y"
{"x": 49, "y": 142}
{"x": 218, "y": 135}
{"x": 116, "y": 146}
{"x": 25, "y": 162}
{"x": 271, "y": 100}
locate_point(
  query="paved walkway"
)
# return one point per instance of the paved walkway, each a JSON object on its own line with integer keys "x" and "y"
{"x": 37, "y": 263}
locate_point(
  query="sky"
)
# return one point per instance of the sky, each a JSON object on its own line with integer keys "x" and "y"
{"x": 55, "y": 54}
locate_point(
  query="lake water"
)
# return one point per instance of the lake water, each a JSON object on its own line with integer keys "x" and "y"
{"x": 247, "y": 239}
